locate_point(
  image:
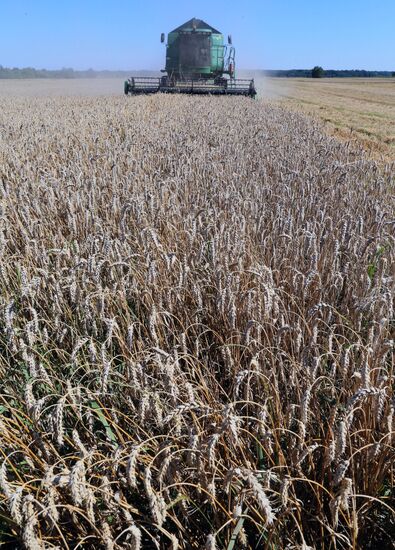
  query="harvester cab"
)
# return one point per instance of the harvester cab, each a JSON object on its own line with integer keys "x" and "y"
{"x": 197, "y": 62}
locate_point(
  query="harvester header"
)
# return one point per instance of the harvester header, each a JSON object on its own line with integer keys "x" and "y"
{"x": 197, "y": 62}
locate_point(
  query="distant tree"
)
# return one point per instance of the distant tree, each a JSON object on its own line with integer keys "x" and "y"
{"x": 393, "y": 74}
{"x": 317, "y": 72}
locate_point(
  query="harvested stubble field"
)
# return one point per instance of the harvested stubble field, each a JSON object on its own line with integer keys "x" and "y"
{"x": 354, "y": 109}
{"x": 197, "y": 312}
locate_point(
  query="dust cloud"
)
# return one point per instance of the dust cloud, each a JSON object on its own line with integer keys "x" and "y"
{"x": 48, "y": 87}
{"x": 267, "y": 88}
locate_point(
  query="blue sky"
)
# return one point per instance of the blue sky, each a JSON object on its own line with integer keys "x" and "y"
{"x": 270, "y": 34}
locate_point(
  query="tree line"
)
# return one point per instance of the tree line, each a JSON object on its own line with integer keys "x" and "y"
{"x": 316, "y": 72}
{"x": 319, "y": 72}
{"x": 30, "y": 72}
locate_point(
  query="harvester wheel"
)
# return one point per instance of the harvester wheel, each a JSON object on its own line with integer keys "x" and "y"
{"x": 126, "y": 87}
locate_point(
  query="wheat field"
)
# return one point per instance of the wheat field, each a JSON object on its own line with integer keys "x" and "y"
{"x": 197, "y": 328}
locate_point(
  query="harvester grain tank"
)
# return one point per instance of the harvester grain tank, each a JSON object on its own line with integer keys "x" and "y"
{"x": 197, "y": 62}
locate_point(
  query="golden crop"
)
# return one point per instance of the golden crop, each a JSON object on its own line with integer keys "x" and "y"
{"x": 197, "y": 328}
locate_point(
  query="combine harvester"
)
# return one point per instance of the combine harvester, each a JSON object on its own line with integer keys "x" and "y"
{"x": 197, "y": 62}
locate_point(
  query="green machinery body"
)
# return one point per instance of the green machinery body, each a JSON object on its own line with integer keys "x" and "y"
{"x": 196, "y": 49}
{"x": 197, "y": 62}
